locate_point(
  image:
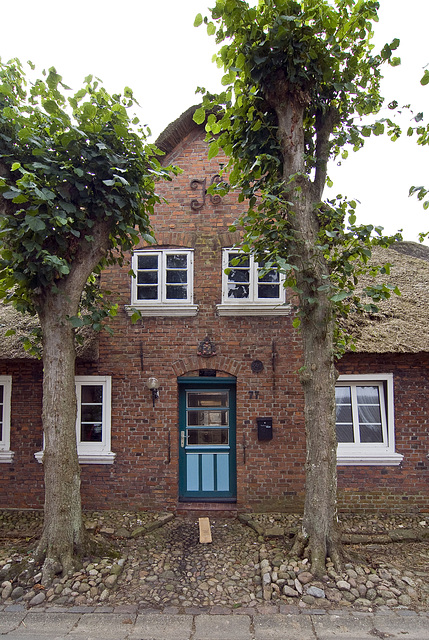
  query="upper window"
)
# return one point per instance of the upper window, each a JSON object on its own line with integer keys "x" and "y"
{"x": 365, "y": 420}
{"x": 6, "y": 455}
{"x": 249, "y": 287}
{"x": 93, "y": 420}
{"x": 162, "y": 282}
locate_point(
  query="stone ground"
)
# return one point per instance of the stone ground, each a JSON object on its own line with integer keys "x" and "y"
{"x": 155, "y": 561}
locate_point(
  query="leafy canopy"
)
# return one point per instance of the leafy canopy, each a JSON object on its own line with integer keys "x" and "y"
{"x": 320, "y": 54}
{"x": 68, "y": 164}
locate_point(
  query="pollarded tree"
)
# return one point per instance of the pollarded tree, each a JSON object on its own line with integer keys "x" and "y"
{"x": 298, "y": 76}
{"x": 77, "y": 185}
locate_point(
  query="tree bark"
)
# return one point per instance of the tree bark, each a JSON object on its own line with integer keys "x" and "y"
{"x": 318, "y": 374}
{"x": 63, "y": 538}
{"x": 63, "y": 534}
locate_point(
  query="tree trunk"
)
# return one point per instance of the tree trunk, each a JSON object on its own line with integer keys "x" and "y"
{"x": 63, "y": 538}
{"x": 318, "y": 375}
{"x": 63, "y": 533}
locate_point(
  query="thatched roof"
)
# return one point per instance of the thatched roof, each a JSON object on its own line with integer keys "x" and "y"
{"x": 11, "y": 347}
{"x": 402, "y": 322}
{"x": 177, "y": 130}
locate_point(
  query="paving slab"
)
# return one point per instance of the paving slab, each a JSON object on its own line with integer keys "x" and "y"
{"x": 349, "y": 627}
{"x": 283, "y": 627}
{"x": 209, "y": 627}
{"x": 40, "y": 625}
{"x": 109, "y": 626}
{"x": 413, "y": 628}
{"x": 154, "y": 626}
{"x": 10, "y": 620}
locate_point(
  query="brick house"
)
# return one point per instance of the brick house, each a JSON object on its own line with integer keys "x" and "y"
{"x": 199, "y": 401}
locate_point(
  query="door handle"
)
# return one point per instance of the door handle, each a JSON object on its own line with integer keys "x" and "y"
{"x": 182, "y": 439}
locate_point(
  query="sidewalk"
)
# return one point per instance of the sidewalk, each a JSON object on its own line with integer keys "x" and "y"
{"x": 125, "y": 623}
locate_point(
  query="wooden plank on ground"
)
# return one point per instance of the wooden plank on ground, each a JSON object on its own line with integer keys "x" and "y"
{"x": 205, "y": 531}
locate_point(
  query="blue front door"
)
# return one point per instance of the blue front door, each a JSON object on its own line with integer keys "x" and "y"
{"x": 207, "y": 439}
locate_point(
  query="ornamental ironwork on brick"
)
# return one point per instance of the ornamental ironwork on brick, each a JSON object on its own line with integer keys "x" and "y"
{"x": 197, "y": 205}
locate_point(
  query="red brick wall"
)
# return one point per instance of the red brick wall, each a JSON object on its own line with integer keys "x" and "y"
{"x": 270, "y": 475}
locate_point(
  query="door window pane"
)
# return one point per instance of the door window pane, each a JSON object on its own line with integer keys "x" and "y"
{"x": 208, "y": 436}
{"x": 208, "y": 399}
{"x": 207, "y": 418}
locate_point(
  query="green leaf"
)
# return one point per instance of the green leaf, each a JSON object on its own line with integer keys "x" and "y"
{"x": 15, "y": 166}
{"x": 198, "y": 20}
{"x": 425, "y": 79}
{"x": 296, "y": 323}
{"x": 35, "y": 223}
{"x": 213, "y": 150}
{"x": 227, "y": 79}
{"x": 50, "y": 106}
{"x": 211, "y": 29}
{"x": 341, "y": 295}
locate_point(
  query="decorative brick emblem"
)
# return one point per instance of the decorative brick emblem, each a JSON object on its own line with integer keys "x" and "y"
{"x": 206, "y": 348}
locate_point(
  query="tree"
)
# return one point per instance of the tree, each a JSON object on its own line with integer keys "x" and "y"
{"x": 77, "y": 185}
{"x": 298, "y": 78}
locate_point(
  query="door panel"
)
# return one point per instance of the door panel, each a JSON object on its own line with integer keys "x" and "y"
{"x": 207, "y": 439}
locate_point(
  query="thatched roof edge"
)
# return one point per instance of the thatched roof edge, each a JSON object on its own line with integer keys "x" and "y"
{"x": 178, "y": 130}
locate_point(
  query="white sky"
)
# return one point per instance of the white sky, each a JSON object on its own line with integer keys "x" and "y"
{"x": 153, "y": 47}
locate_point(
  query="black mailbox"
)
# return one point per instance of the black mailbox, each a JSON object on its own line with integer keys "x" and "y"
{"x": 265, "y": 428}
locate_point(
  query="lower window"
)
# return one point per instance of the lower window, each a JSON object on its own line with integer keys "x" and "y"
{"x": 365, "y": 420}
{"x": 93, "y": 420}
{"x": 6, "y": 455}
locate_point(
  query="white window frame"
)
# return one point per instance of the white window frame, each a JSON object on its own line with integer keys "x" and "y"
{"x": 93, "y": 452}
{"x": 251, "y": 305}
{"x": 6, "y": 455}
{"x": 163, "y": 306}
{"x": 375, "y": 453}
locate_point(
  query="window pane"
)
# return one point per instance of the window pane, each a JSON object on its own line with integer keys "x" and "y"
{"x": 345, "y": 433}
{"x": 368, "y": 399}
{"x": 177, "y": 292}
{"x": 177, "y": 261}
{"x": 208, "y": 436}
{"x": 369, "y": 415}
{"x": 238, "y": 275}
{"x": 244, "y": 261}
{"x": 268, "y": 291}
{"x": 147, "y": 261}
{"x": 92, "y": 393}
{"x": 147, "y": 277}
{"x": 1, "y": 392}
{"x": 91, "y": 413}
{"x": 208, "y": 399}
{"x": 91, "y": 432}
{"x": 367, "y": 395}
{"x": 344, "y": 414}
{"x": 177, "y": 276}
{"x": 343, "y": 395}
{"x": 238, "y": 290}
{"x": 371, "y": 433}
{"x": 207, "y": 418}
{"x": 270, "y": 276}
{"x": 147, "y": 293}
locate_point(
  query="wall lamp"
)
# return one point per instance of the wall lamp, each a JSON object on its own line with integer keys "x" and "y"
{"x": 153, "y": 384}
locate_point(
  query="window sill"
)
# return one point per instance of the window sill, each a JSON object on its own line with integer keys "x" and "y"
{"x": 87, "y": 458}
{"x": 253, "y": 309}
{"x": 162, "y": 310}
{"x": 382, "y": 459}
{"x": 6, "y": 457}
